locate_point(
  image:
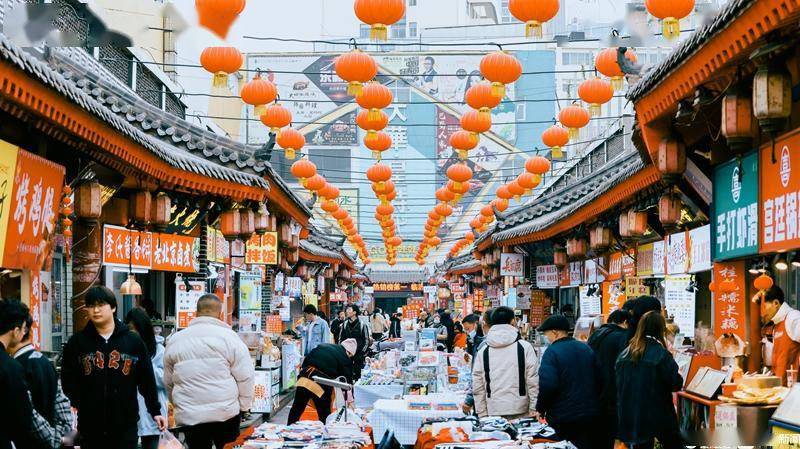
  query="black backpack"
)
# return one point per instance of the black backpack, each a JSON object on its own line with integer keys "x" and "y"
{"x": 520, "y": 370}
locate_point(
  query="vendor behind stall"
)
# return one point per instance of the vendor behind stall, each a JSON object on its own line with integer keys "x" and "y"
{"x": 328, "y": 361}
{"x": 786, "y": 334}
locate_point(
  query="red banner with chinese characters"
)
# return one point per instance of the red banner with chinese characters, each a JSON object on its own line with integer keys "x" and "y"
{"x": 31, "y": 218}
{"x": 262, "y": 249}
{"x": 274, "y": 325}
{"x": 629, "y": 263}
{"x": 176, "y": 253}
{"x": 36, "y": 308}
{"x": 779, "y": 186}
{"x": 122, "y": 246}
{"x": 613, "y": 296}
{"x": 730, "y": 313}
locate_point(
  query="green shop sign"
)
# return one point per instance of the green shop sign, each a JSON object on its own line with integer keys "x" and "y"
{"x": 735, "y": 206}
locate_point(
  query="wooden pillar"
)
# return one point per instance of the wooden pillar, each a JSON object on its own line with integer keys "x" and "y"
{"x": 86, "y": 256}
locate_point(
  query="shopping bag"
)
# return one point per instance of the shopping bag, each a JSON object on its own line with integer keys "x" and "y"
{"x": 168, "y": 441}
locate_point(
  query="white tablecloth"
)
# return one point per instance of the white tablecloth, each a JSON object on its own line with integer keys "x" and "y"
{"x": 366, "y": 395}
{"x": 393, "y": 414}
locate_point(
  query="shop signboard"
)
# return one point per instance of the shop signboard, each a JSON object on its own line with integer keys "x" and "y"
{"x": 659, "y": 257}
{"x": 613, "y": 296}
{"x": 30, "y": 221}
{"x": 512, "y": 264}
{"x": 677, "y": 254}
{"x": 262, "y": 249}
{"x": 186, "y": 301}
{"x": 591, "y": 304}
{"x": 635, "y": 287}
{"x": 730, "y": 315}
{"x": 575, "y": 273}
{"x": 629, "y": 262}
{"x": 593, "y": 271}
{"x": 540, "y": 307}
{"x": 699, "y": 245}
{"x": 615, "y": 266}
{"x": 122, "y": 246}
{"x": 780, "y": 186}
{"x": 37, "y": 296}
{"x": 547, "y": 276}
{"x": 735, "y": 225}
{"x": 644, "y": 259}
{"x": 274, "y": 325}
{"x": 176, "y": 253}
{"x": 680, "y": 303}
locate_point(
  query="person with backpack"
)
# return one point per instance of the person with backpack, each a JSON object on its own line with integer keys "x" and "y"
{"x": 505, "y": 380}
{"x": 359, "y": 331}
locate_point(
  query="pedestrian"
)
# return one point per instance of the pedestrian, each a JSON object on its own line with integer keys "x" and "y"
{"x": 786, "y": 333}
{"x": 139, "y": 322}
{"x": 358, "y": 331}
{"x": 608, "y": 342}
{"x": 647, "y": 375}
{"x": 504, "y": 375}
{"x": 327, "y": 361}
{"x": 640, "y": 307}
{"x": 52, "y": 416}
{"x": 484, "y": 325}
{"x": 315, "y": 331}
{"x": 336, "y": 325}
{"x": 424, "y": 319}
{"x": 395, "y": 330}
{"x": 104, "y": 367}
{"x": 209, "y": 377}
{"x": 441, "y": 331}
{"x": 16, "y": 420}
{"x": 568, "y": 385}
{"x": 378, "y": 325}
{"x": 474, "y": 330}
{"x": 447, "y": 320}
{"x": 460, "y": 340}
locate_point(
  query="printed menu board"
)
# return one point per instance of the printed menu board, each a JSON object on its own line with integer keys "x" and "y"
{"x": 680, "y": 303}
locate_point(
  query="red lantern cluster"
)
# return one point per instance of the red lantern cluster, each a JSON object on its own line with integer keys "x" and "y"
{"x": 373, "y": 97}
{"x": 380, "y": 176}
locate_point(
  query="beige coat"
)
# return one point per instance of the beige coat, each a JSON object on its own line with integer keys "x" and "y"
{"x": 505, "y": 400}
{"x": 208, "y": 373}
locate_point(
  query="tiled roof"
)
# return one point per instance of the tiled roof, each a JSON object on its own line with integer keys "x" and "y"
{"x": 650, "y": 80}
{"x": 319, "y": 250}
{"x": 551, "y": 208}
{"x": 78, "y": 95}
{"x": 392, "y": 275}
{"x": 468, "y": 265}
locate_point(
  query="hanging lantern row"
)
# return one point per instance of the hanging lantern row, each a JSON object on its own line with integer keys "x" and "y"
{"x": 380, "y": 176}
{"x": 606, "y": 63}
{"x": 534, "y": 13}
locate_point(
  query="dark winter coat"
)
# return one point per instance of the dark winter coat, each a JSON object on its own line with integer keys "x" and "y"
{"x": 568, "y": 382}
{"x": 395, "y": 330}
{"x": 644, "y": 394}
{"x": 101, "y": 379}
{"x": 608, "y": 342}
{"x": 16, "y": 417}
{"x": 42, "y": 378}
{"x": 331, "y": 361}
{"x": 358, "y": 331}
{"x": 336, "y": 327}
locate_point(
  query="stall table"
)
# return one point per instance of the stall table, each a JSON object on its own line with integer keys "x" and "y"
{"x": 366, "y": 395}
{"x": 394, "y": 414}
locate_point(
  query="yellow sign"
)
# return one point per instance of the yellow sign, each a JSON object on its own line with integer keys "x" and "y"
{"x": 8, "y": 164}
{"x": 396, "y": 287}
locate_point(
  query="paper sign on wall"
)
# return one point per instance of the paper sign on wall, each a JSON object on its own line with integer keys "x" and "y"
{"x": 186, "y": 301}
{"x": 680, "y": 303}
{"x": 700, "y": 249}
{"x": 591, "y": 305}
{"x": 677, "y": 254}
{"x": 512, "y": 264}
{"x": 547, "y": 276}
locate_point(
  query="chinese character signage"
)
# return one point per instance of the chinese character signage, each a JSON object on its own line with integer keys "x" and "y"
{"x": 186, "y": 301}
{"x": 644, "y": 259}
{"x": 736, "y": 208}
{"x": 780, "y": 186}
{"x": 397, "y": 287}
{"x": 511, "y": 264}
{"x": 659, "y": 257}
{"x": 547, "y": 276}
{"x": 635, "y": 287}
{"x": 32, "y": 189}
{"x": 677, "y": 254}
{"x": 161, "y": 252}
{"x": 615, "y": 266}
{"x": 680, "y": 303}
{"x": 730, "y": 316}
{"x": 613, "y": 296}
{"x": 262, "y": 249}
{"x": 699, "y": 245}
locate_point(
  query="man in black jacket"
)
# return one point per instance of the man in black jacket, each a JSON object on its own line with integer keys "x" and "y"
{"x": 336, "y": 325}
{"x": 608, "y": 342}
{"x": 16, "y": 418}
{"x": 358, "y": 331}
{"x": 474, "y": 332}
{"x": 328, "y": 361}
{"x": 104, "y": 367}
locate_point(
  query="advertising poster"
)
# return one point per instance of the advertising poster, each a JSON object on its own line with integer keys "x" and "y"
{"x": 340, "y": 132}
{"x": 262, "y": 398}
{"x": 699, "y": 245}
{"x": 249, "y": 291}
{"x": 736, "y": 208}
{"x": 186, "y": 301}
{"x": 680, "y": 303}
{"x": 524, "y": 297}
{"x": 613, "y": 296}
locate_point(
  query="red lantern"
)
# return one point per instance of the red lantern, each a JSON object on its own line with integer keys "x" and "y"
{"x": 671, "y": 160}
{"x": 500, "y": 204}
{"x": 480, "y": 97}
{"x": 560, "y": 257}
{"x": 670, "y": 12}
{"x": 574, "y": 117}
{"x": 537, "y": 165}
{"x": 738, "y": 123}
{"x": 258, "y": 93}
{"x": 356, "y": 67}
{"x": 315, "y": 183}
{"x": 459, "y": 174}
{"x": 161, "y": 214}
{"x": 374, "y": 97}
{"x": 248, "y": 226}
{"x": 476, "y": 123}
{"x": 218, "y": 15}
{"x": 371, "y": 126}
{"x": 379, "y": 173}
{"x": 534, "y": 13}
{"x": 230, "y": 225}
{"x": 276, "y": 117}
{"x": 763, "y": 283}
{"x": 378, "y": 143}
{"x": 637, "y": 223}
{"x": 516, "y": 190}
{"x": 669, "y": 211}
{"x": 503, "y": 193}
{"x": 444, "y": 195}
{"x": 303, "y": 169}
{"x": 443, "y": 209}
{"x": 221, "y": 61}
{"x": 379, "y": 14}
{"x": 595, "y": 92}
{"x": 606, "y": 63}
{"x": 469, "y": 236}
{"x": 475, "y": 223}
{"x": 528, "y": 181}
{"x": 556, "y": 138}
{"x": 624, "y": 229}
{"x": 576, "y": 248}
{"x": 458, "y": 189}
{"x": 291, "y": 141}
{"x": 600, "y": 238}
{"x": 463, "y": 142}
{"x": 500, "y": 68}
{"x": 385, "y": 210}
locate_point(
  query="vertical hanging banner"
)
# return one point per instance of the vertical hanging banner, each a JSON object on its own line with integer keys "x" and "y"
{"x": 730, "y": 313}
{"x": 644, "y": 259}
{"x": 35, "y": 308}
{"x": 29, "y": 222}
{"x": 780, "y": 183}
{"x": 736, "y": 208}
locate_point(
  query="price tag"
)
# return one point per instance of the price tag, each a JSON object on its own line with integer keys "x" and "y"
{"x": 725, "y": 417}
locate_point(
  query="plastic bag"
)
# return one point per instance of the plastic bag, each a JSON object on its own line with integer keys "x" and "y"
{"x": 342, "y": 417}
{"x": 168, "y": 441}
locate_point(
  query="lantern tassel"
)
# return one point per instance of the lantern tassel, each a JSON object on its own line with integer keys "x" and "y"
{"x": 374, "y": 114}
{"x": 220, "y": 79}
{"x": 463, "y": 155}
{"x": 533, "y": 28}
{"x": 498, "y": 90}
{"x": 289, "y": 153}
{"x": 557, "y": 152}
{"x": 574, "y": 133}
{"x": 377, "y": 155}
{"x": 354, "y": 88}
{"x": 671, "y": 28}
{"x": 616, "y": 82}
{"x": 485, "y": 112}
{"x": 379, "y": 32}
{"x": 259, "y": 110}
{"x": 595, "y": 109}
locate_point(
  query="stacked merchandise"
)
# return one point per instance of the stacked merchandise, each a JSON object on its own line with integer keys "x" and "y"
{"x": 309, "y": 435}
{"x": 487, "y": 433}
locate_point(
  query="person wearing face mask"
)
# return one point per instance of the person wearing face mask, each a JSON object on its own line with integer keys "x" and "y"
{"x": 474, "y": 332}
{"x": 441, "y": 330}
{"x": 569, "y": 385}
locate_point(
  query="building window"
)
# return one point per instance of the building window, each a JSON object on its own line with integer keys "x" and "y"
{"x": 399, "y": 29}
{"x": 412, "y": 29}
{"x": 505, "y": 14}
{"x": 412, "y": 2}
{"x": 364, "y": 31}
{"x": 572, "y": 58}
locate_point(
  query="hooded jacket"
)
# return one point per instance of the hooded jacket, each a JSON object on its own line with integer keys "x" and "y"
{"x": 501, "y": 397}
{"x": 42, "y": 379}
{"x": 208, "y": 373}
{"x": 568, "y": 382}
{"x": 608, "y": 342}
{"x": 101, "y": 378}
